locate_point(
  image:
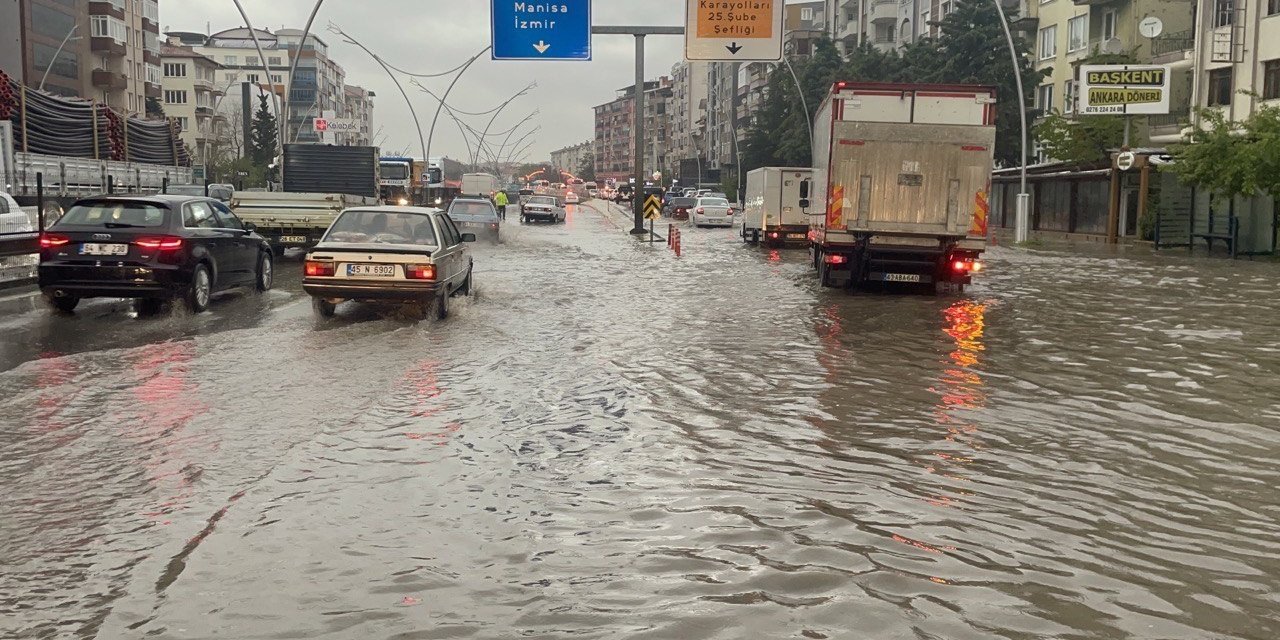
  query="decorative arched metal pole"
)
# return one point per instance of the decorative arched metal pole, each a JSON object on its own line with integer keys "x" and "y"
{"x": 293, "y": 69}
{"x": 266, "y": 66}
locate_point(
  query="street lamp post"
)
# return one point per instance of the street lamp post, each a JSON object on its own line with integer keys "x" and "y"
{"x": 58, "y": 53}
{"x": 1023, "y": 210}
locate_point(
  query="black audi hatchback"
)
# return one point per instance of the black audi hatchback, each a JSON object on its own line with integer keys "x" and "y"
{"x": 153, "y": 249}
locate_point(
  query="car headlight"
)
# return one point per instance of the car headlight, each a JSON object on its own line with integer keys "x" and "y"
{"x": 404, "y": 202}
{"x": 439, "y": 200}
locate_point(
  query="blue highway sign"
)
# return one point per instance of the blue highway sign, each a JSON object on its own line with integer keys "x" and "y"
{"x": 547, "y": 30}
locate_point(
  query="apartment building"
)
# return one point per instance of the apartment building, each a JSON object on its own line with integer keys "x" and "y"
{"x": 1070, "y": 31}
{"x": 191, "y": 96}
{"x": 359, "y": 107}
{"x": 688, "y": 115}
{"x": 573, "y": 158}
{"x": 804, "y": 24}
{"x": 614, "y": 121}
{"x": 106, "y": 50}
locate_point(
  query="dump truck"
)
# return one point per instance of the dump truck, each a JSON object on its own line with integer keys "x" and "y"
{"x": 902, "y": 173}
{"x": 772, "y": 212}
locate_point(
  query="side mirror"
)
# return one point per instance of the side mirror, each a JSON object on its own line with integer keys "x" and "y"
{"x": 250, "y": 227}
{"x": 468, "y": 237}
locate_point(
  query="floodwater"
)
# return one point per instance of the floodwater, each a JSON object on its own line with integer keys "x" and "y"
{"x": 609, "y": 442}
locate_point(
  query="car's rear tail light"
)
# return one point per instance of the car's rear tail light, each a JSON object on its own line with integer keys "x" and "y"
{"x": 420, "y": 272}
{"x": 834, "y": 259}
{"x": 163, "y": 243}
{"x": 493, "y": 226}
{"x": 53, "y": 240}
{"x": 978, "y": 266}
{"x": 702, "y": 210}
{"x": 961, "y": 265}
{"x": 314, "y": 268}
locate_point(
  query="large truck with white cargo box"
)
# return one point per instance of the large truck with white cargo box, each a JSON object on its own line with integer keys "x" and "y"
{"x": 902, "y": 174}
{"x": 772, "y": 213}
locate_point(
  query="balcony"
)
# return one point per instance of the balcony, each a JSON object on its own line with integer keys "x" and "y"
{"x": 204, "y": 111}
{"x": 106, "y": 8}
{"x": 106, "y": 47}
{"x": 151, "y": 57}
{"x": 149, "y": 25}
{"x": 109, "y": 80}
{"x": 152, "y": 90}
{"x": 1170, "y": 48}
{"x": 1169, "y": 127}
{"x": 883, "y": 11}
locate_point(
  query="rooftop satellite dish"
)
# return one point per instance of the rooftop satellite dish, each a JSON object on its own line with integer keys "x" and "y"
{"x": 1112, "y": 47}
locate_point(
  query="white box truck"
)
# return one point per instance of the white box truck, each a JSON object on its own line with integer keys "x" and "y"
{"x": 903, "y": 173}
{"x": 482, "y": 185}
{"x": 772, "y": 213}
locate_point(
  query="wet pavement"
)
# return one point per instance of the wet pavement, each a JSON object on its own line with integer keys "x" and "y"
{"x": 608, "y": 441}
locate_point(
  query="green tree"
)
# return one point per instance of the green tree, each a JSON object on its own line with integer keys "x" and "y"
{"x": 1082, "y": 141}
{"x": 262, "y": 144}
{"x": 155, "y": 108}
{"x": 1232, "y": 158}
{"x": 971, "y": 49}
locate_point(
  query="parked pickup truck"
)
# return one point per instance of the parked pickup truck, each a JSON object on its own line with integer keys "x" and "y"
{"x": 294, "y": 219}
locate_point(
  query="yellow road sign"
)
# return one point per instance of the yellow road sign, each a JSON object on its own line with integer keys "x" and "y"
{"x": 653, "y": 208}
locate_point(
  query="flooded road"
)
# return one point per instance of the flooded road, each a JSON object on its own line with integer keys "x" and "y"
{"x": 608, "y": 442}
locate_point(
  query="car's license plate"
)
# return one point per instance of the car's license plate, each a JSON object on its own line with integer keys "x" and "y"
{"x": 901, "y": 277}
{"x": 795, "y": 236}
{"x": 293, "y": 239}
{"x": 96, "y": 249}
{"x": 473, "y": 225}
{"x": 372, "y": 270}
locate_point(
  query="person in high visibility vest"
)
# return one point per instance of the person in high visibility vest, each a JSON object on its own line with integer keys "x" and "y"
{"x": 501, "y": 202}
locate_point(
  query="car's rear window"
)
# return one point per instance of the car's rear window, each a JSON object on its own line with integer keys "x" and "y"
{"x": 542, "y": 200}
{"x": 186, "y": 190}
{"x": 381, "y": 227}
{"x": 463, "y": 209}
{"x": 683, "y": 202}
{"x": 115, "y": 214}
{"x": 714, "y": 202}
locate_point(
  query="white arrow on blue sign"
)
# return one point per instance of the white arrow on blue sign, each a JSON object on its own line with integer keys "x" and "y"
{"x": 543, "y": 30}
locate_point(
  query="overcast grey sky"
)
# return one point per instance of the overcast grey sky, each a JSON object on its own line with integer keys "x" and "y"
{"x": 430, "y": 36}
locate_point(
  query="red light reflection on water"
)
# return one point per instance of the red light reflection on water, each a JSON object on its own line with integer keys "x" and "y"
{"x": 168, "y": 399}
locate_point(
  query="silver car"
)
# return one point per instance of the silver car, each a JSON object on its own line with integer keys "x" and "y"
{"x": 542, "y": 209}
{"x": 712, "y": 212}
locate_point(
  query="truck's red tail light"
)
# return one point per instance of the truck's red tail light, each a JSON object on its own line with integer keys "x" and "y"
{"x": 324, "y": 269}
{"x": 960, "y": 265}
{"x": 835, "y": 259}
{"x": 420, "y": 272}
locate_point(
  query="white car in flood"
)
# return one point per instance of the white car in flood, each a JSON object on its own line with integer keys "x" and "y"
{"x": 404, "y": 256}
{"x": 712, "y": 212}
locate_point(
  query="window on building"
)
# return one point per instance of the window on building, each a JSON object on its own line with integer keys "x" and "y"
{"x": 274, "y": 61}
{"x": 182, "y": 124}
{"x": 1109, "y": 24}
{"x": 1069, "y": 97}
{"x": 806, "y": 14}
{"x": 252, "y": 77}
{"x": 1044, "y": 98}
{"x": 154, "y": 76}
{"x": 1078, "y": 33}
{"x": 1271, "y": 80}
{"x": 1049, "y": 42}
{"x": 924, "y": 18}
{"x": 1273, "y": 7}
{"x": 944, "y": 9}
{"x": 172, "y": 96}
{"x": 230, "y": 59}
{"x": 1224, "y": 13}
{"x": 175, "y": 70}
{"x": 277, "y": 78}
{"x": 251, "y": 61}
{"x": 108, "y": 27}
{"x": 1220, "y": 87}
